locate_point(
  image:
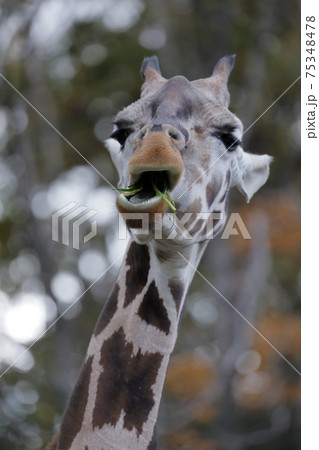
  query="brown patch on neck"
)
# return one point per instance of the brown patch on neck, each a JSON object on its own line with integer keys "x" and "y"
{"x": 74, "y": 414}
{"x": 153, "y": 311}
{"x": 138, "y": 259}
{"x": 125, "y": 384}
{"x": 108, "y": 311}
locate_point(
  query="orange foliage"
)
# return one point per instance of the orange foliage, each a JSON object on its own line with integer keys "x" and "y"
{"x": 283, "y": 214}
{"x": 266, "y": 395}
{"x": 269, "y": 386}
{"x": 284, "y": 333}
{"x": 187, "y": 377}
{"x": 204, "y": 414}
{"x": 279, "y": 391}
{"x": 190, "y": 440}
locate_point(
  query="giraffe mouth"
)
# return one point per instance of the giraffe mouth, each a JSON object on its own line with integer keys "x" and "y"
{"x": 150, "y": 192}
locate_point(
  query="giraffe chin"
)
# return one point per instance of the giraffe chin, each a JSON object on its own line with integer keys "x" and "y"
{"x": 140, "y": 217}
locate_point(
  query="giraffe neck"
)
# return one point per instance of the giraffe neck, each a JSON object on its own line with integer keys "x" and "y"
{"x": 115, "y": 402}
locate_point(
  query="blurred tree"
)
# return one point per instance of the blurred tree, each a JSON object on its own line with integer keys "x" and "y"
{"x": 78, "y": 63}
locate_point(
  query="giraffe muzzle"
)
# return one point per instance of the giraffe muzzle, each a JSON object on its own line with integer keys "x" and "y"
{"x": 156, "y": 165}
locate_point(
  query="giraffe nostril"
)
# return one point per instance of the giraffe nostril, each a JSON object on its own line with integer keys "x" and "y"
{"x": 141, "y": 135}
{"x": 174, "y": 133}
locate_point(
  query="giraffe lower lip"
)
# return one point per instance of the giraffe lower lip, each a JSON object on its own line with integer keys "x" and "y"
{"x": 140, "y": 206}
{"x": 140, "y": 197}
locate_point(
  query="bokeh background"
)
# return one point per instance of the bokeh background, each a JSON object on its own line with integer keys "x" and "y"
{"x": 78, "y": 63}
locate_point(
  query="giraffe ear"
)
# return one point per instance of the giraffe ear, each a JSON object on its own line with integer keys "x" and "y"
{"x": 223, "y": 68}
{"x": 217, "y": 82}
{"x": 151, "y": 74}
{"x": 150, "y": 68}
{"x": 256, "y": 173}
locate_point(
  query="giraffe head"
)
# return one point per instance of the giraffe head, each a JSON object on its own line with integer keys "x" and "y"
{"x": 180, "y": 137}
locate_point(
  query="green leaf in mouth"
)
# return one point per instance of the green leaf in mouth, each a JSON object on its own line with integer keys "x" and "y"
{"x": 166, "y": 197}
{"x": 134, "y": 189}
{"x": 131, "y": 190}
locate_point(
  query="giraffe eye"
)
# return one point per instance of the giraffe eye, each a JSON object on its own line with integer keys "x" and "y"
{"x": 229, "y": 140}
{"x": 121, "y": 134}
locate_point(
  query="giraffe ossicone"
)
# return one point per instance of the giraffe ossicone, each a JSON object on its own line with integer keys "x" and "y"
{"x": 181, "y": 138}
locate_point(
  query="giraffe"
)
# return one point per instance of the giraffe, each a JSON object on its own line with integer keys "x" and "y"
{"x": 179, "y": 135}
